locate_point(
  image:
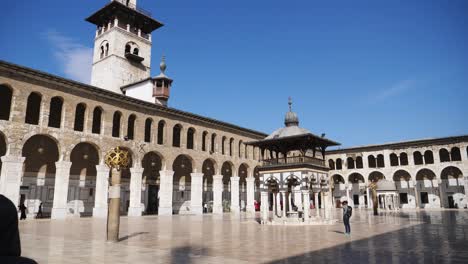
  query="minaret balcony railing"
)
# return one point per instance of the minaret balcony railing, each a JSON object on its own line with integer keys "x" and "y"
{"x": 297, "y": 160}
{"x": 135, "y": 7}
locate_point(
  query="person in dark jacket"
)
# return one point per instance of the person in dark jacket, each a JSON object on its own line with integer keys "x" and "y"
{"x": 10, "y": 246}
{"x": 22, "y": 209}
{"x": 347, "y": 212}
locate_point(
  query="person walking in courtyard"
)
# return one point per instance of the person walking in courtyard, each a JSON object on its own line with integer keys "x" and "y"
{"x": 22, "y": 209}
{"x": 347, "y": 212}
{"x": 39, "y": 212}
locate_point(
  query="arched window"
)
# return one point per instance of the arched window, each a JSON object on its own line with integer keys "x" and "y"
{"x": 428, "y": 157}
{"x": 55, "y": 112}
{"x": 213, "y": 143}
{"x": 5, "y": 102}
{"x": 339, "y": 164}
{"x": 190, "y": 135}
{"x": 148, "y": 124}
{"x": 240, "y": 149}
{"x": 161, "y": 126}
{"x": 393, "y": 159}
{"x": 136, "y": 51}
{"x": 116, "y": 124}
{"x": 380, "y": 161}
{"x": 359, "y": 164}
{"x": 128, "y": 48}
{"x": 331, "y": 164}
{"x": 204, "y": 135}
{"x": 33, "y": 109}
{"x": 444, "y": 155}
{"x": 418, "y": 159}
{"x": 223, "y": 147}
{"x": 455, "y": 154}
{"x": 350, "y": 162}
{"x": 97, "y": 114}
{"x": 107, "y": 49}
{"x": 403, "y": 159}
{"x": 79, "y": 117}
{"x": 131, "y": 127}
{"x": 371, "y": 161}
{"x": 176, "y": 136}
{"x": 102, "y": 52}
{"x": 231, "y": 144}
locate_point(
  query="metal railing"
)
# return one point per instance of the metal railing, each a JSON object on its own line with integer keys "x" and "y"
{"x": 133, "y": 6}
{"x": 294, "y": 160}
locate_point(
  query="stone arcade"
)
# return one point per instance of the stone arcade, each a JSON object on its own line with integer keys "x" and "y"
{"x": 54, "y": 133}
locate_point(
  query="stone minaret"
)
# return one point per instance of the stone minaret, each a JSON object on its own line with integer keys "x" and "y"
{"x": 122, "y": 47}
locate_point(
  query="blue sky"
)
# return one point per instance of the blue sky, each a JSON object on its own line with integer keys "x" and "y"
{"x": 363, "y": 72}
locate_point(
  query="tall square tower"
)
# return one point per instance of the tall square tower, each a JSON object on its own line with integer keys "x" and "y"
{"x": 122, "y": 47}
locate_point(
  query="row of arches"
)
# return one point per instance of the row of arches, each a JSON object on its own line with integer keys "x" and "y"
{"x": 42, "y": 152}
{"x": 401, "y": 175}
{"x": 378, "y": 161}
{"x": 55, "y": 119}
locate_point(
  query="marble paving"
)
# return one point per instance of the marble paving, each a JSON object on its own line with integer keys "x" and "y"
{"x": 439, "y": 236}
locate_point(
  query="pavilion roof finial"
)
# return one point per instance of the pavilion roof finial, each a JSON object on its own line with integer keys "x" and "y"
{"x": 162, "y": 65}
{"x": 291, "y": 118}
{"x": 290, "y": 103}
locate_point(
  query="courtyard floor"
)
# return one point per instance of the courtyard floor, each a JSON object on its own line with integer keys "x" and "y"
{"x": 404, "y": 237}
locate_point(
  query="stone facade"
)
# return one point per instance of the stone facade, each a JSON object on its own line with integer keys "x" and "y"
{"x": 15, "y": 133}
{"x": 429, "y": 173}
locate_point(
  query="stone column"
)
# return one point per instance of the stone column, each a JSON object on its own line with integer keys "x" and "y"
{"x": 283, "y": 195}
{"x": 289, "y": 201}
{"x": 235, "y": 208}
{"x": 264, "y": 206}
{"x": 165, "y": 192}
{"x": 250, "y": 195}
{"x": 416, "y": 194}
{"x": 10, "y": 179}
{"x": 135, "y": 208}
{"x": 298, "y": 199}
{"x": 317, "y": 204}
{"x": 217, "y": 194}
{"x": 62, "y": 176}
{"x": 196, "y": 194}
{"x": 306, "y": 203}
{"x": 102, "y": 186}
{"x": 369, "y": 199}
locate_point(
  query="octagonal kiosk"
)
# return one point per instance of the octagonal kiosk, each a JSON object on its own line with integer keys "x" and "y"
{"x": 293, "y": 176}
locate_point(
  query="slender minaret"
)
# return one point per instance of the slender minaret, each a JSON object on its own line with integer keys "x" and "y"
{"x": 122, "y": 47}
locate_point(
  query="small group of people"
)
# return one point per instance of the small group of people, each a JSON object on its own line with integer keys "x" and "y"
{"x": 22, "y": 209}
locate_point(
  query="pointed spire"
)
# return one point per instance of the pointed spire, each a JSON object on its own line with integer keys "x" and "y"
{"x": 291, "y": 118}
{"x": 162, "y": 65}
{"x": 290, "y": 103}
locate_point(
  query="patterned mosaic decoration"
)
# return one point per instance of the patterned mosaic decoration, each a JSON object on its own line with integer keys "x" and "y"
{"x": 117, "y": 158}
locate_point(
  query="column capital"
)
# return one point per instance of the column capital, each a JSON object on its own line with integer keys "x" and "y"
{"x": 235, "y": 178}
{"x": 12, "y": 159}
{"x": 137, "y": 170}
{"x": 250, "y": 179}
{"x": 196, "y": 174}
{"x": 217, "y": 177}
{"x": 63, "y": 164}
{"x": 166, "y": 173}
{"x": 102, "y": 168}
{"x": 305, "y": 191}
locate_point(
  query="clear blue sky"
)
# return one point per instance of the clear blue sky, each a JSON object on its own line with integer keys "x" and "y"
{"x": 362, "y": 72}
